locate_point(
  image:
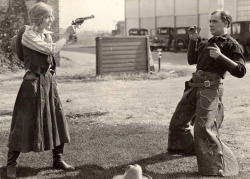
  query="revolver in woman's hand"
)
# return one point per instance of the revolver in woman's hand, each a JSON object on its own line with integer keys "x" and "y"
{"x": 194, "y": 32}
{"x": 71, "y": 29}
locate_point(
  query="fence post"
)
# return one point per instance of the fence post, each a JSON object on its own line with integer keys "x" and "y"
{"x": 159, "y": 60}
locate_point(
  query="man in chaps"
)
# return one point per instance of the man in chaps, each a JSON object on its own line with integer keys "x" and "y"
{"x": 202, "y": 99}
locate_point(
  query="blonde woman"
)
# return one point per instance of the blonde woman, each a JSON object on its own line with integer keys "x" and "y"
{"x": 38, "y": 121}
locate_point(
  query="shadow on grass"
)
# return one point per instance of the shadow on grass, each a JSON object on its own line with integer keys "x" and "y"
{"x": 97, "y": 172}
{"x": 23, "y": 171}
{"x": 5, "y": 113}
{"x": 165, "y": 74}
{"x": 93, "y": 171}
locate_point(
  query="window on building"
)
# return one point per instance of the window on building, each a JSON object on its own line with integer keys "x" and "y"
{"x": 133, "y": 32}
{"x": 143, "y": 32}
{"x": 236, "y": 28}
{"x": 243, "y": 10}
{"x": 163, "y": 31}
{"x": 181, "y": 31}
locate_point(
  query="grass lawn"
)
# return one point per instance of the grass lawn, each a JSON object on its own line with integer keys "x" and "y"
{"x": 120, "y": 120}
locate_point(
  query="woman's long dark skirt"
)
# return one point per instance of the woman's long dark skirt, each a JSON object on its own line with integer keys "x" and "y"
{"x": 38, "y": 121}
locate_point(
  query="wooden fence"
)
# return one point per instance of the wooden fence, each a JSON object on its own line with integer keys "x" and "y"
{"x": 122, "y": 55}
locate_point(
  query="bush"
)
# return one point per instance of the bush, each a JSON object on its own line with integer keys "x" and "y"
{"x": 12, "y": 17}
{"x": 9, "y": 62}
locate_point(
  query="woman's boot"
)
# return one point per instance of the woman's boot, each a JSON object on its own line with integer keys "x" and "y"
{"x": 11, "y": 163}
{"x": 58, "y": 162}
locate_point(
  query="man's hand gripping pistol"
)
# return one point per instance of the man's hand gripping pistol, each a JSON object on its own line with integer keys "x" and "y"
{"x": 194, "y": 34}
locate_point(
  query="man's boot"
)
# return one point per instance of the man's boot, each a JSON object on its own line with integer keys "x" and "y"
{"x": 11, "y": 163}
{"x": 58, "y": 162}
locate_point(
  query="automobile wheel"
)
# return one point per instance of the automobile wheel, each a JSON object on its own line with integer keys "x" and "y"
{"x": 176, "y": 49}
{"x": 180, "y": 42}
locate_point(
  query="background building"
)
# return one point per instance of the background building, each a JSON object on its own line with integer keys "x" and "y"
{"x": 119, "y": 31}
{"x": 151, "y": 14}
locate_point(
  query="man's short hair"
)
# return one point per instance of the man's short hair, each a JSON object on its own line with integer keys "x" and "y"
{"x": 224, "y": 16}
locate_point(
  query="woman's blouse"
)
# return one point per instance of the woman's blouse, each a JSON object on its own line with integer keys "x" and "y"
{"x": 39, "y": 41}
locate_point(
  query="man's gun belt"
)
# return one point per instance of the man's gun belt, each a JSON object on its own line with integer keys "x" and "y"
{"x": 204, "y": 79}
{"x": 206, "y": 83}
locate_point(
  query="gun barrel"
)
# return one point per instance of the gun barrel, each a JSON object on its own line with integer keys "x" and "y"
{"x": 88, "y": 17}
{"x": 81, "y": 19}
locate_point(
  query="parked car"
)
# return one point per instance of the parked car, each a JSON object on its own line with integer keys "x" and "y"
{"x": 241, "y": 32}
{"x": 162, "y": 39}
{"x": 138, "y": 32}
{"x": 181, "y": 38}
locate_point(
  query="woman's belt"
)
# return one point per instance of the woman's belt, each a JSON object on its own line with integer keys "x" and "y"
{"x": 30, "y": 75}
{"x": 40, "y": 70}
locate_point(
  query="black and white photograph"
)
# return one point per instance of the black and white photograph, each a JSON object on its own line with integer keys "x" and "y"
{"x": 124, "y": 89}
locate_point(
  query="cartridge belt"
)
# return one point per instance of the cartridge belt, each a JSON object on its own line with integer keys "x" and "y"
{"x": 206, "y": 83}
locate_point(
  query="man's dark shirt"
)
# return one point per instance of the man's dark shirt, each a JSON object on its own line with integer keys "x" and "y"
{"x": 228, "y": 46}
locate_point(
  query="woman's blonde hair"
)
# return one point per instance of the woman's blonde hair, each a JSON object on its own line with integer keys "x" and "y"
{"x": 38, "y": 12}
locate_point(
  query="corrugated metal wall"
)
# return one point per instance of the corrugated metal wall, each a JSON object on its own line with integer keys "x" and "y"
{"x": 132, "y": 23}
{"x": 213, "y": 4}
{"x": 186, "y": 20}
{"x": 148, "y": 23}
{"x": 147, "y": 15}
{"x": 186, "y": 13}
{"x": 204, "y": 24}
{"x": 243, "y": 10}
{"x": 165, "y": 7}
{"x": 131, "y": 15}
{"x": 230, "y": 6}
{"x": 165, "y": 21}
{"x": 165, "y": 11}
{"x": 203, "y": 18}
{"x": 180, "y": 13}
{"x": 131, "y": 9}
{"x": 203, "y": 4}
{"x": 186, "y": 7}
{"x": 147, "y": 8}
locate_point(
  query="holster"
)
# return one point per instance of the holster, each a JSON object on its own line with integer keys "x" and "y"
{"x": 187, "y": 85}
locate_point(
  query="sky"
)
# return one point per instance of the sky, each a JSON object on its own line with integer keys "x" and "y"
{"x": 106, "y": 12}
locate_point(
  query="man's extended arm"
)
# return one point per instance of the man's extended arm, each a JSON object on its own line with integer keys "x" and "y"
{"x": 235, "y": 66}
{"x": 194, "y": 40}
{"x": 192, "y": 53}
